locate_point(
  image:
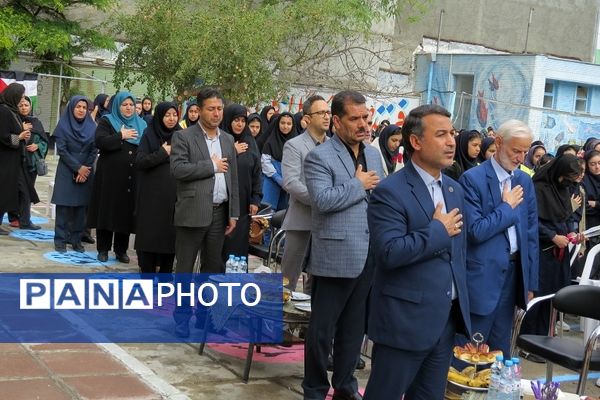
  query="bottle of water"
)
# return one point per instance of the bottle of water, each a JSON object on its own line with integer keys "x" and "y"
{"x": 243, "y": 267}
{"x": 505, "y": 390}
{"x": 236, "y": 265}
{"x": 517, "y": 378}
{"x": 229, "y": 264}
{"x": 495, "y": 378}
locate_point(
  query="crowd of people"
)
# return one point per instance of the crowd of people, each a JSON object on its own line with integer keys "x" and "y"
{"x": 409, "y": 234}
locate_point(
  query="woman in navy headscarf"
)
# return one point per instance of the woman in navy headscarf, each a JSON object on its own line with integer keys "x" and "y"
{"x": 74, "y": 136}
{"x": 100, "y": 107}
{"x": 111, "y": 209}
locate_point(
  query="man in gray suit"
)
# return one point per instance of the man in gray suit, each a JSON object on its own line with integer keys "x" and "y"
{"x": 340, "y": 175}
{"x": 297, "y": 218}
{"x": 203, "y": 162}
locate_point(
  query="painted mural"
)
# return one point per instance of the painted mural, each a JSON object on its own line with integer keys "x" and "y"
{"x": 500, "y": 86}
{"x": 555, "y": 129}
{"x": 394, "y": 109}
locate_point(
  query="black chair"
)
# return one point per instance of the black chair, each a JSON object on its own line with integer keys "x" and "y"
{"x": 581, "y": 300}
{"x": 273, "y": 251}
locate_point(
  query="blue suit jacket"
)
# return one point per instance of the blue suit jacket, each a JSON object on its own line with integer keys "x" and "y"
{"x": 340, "y": 238}
{"x": 415, "y": 262}
{"x": 488, "y": 246}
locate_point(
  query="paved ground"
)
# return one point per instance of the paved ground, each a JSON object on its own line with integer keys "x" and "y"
{"x": 149, "y": 371}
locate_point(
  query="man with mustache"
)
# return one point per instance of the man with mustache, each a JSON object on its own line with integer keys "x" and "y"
{"x": 419, "y": 297}
{"x": 340, "y": 175}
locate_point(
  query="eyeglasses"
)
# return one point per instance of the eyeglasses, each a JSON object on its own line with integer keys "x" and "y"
{"x": 321, "y": 113}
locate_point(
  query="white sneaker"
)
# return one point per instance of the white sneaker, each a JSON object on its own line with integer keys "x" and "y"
{"x": 598, "y": 382}
{"x": 564, "y": 325}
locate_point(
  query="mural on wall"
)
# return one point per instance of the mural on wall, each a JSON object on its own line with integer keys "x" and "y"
{"x": 501, "y": 86}
{"x": 393, "y": 109}
{"x": 559, "y": 128}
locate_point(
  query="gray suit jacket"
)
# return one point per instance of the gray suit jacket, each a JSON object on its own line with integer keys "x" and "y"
{"x": 194, "y": 172}
{"x": 295, "y": 150}
{"x": 340, "y": 235}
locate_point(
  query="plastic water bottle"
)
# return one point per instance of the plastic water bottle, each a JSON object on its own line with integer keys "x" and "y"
{"x": 495, "y": 378}
{"x": 236, "y": 265}
{"x": 505, "y": 390}
{"x": 516, "y": 378}
{"x": 243, "y": 266}
{"x": 229, "y": 264}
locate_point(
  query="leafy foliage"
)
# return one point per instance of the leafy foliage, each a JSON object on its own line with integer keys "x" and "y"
{"x": 42, "y": 28}
{"x": 249, "y": 48}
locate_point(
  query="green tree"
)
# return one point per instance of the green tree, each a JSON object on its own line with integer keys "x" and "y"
{"x": 252, "y": 49}
{"x": 42, "y": 28}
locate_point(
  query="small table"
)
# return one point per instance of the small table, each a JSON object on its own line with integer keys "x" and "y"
{"x": 291, "y": 317}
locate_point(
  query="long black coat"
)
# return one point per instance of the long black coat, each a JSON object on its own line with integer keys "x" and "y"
{"x": 250, "y": 191}
{"x": 10, "y": 160}
{"x": 73, "y": 154}
{"x": 113, "y": 196}
{"x": 13, "y": 162}
{"x": 156, "y": 196}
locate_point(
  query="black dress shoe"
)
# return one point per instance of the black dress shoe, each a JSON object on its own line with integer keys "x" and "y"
{"x": 60, "y": 248}
{"x": 361, "y": 363}
{"x": 30, "y": 227}
{"x": 122, "y": 258}
{"x": 345, "y": 396}
{"x": 88, "y": 239}
{"x": 79, "y": 248}
{"x": 103, "y": 256}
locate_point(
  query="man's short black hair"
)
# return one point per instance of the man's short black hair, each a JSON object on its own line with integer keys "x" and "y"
{"x": 307, "y": 105}
{"x": 208, "y": 93}
{"x": 413, "y": 124}
{"x": 342, "y": 98}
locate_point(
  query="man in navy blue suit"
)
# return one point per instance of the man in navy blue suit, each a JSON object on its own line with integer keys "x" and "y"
{"x": 502, "y": 231}
{"x": 419, "y": 297}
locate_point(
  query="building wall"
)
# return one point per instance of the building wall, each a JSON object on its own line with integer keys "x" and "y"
{"x": 564, "y": 125}
{"x": 512, "y": 86}
{"x": 565, "y": 28}
{"x": 499, "y": 82}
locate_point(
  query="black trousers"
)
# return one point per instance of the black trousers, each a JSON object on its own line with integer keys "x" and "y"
{"x": 148, "y": 262}
{"x": 339, "y": 307}
{"x": 69, "y": 225}
{"x": 207, "y": 240}
{"x": 105, "y": 241}
{"x": 24, "y": 201}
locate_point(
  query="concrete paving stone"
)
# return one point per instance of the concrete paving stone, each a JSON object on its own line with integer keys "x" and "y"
{"x": 20, "y": 365}
{"x": 81, "y": 363}
{"x": 166, "y": 360}
{"x": 253, "y": 390}
{"x": 11, "y": 348}
{"x": 114, "y": 387}
{"x": 63, "y": 347}
{"x": 32, "y": 389}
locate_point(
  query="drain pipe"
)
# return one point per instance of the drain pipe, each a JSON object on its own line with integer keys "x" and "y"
{"x": 434, "y": 57}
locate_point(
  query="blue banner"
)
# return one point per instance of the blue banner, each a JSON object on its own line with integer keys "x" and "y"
{"x": 134, "y": 308}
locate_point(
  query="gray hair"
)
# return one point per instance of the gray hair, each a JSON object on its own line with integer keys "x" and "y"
{"x": 514, "y": 128}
